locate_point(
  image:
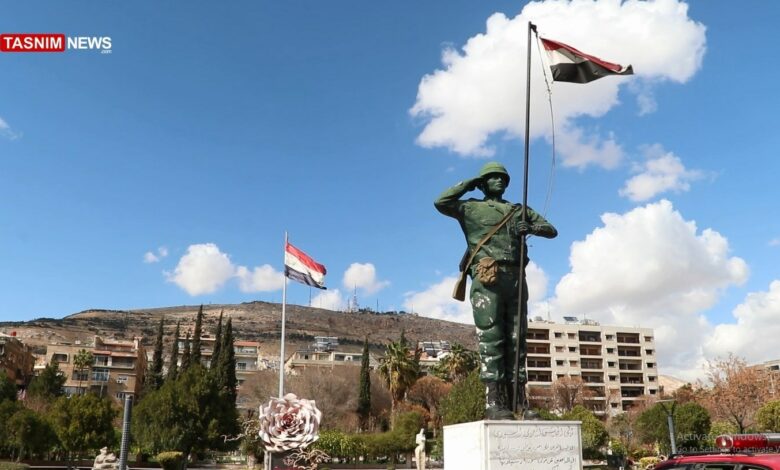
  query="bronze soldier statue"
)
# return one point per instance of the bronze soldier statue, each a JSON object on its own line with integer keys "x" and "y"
{"x": 495, "y": 273}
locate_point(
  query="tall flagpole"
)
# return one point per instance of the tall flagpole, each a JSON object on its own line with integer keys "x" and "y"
{"x": 522, "y": 314}
{"x": 284, "y": 313}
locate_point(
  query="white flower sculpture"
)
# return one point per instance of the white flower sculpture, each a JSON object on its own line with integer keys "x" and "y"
{"x": 289, "y": 423}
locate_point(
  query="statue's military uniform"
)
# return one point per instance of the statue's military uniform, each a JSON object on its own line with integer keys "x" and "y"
{"x": 495, "y": 306}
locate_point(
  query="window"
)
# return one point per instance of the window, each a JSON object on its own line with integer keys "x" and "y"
{"x": 610, "y": 337}
{"x": 651, "y": 378}
{"x": 121, "y": 379}
{"x": 101, "y": 361}
{"x": 558, "y": 334}
{"x": 610, "y": 350}
{"x": 559, "y": 348}
{"x": 648, "y": 339}
{"x": 100, "y": 375}
{"x": 611, "y": 364}
{"x": 240, "y": 365}
{"x": 613, "y": 377}
{"x": 573, "y": 363}
{"x": 572, "y": 349}
{"x": 572, "y": 336}
{"x": 649, "y": 352}
{"x": 650, "y": 365}
{"x": 652, "y": 391}
{"x": 59, "y": 357}
{"x": 121, "y": 396}
{"x": 81, "y": 375}
{"x": 558, "y": 363}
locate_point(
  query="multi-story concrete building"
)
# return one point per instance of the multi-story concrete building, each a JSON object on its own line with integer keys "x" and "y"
{"x": 304, "y": 358}
{"x": 16, "y": 359}
{"x": 247, "y": 354}
{"x": 773, "y": 369}
{"x": 431, "y": 353}
{"x": 117, "y": 369}
{"x": 617, "y": 364}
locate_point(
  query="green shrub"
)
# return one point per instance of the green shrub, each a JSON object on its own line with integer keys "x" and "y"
{"x": 13, "y": 466}
{"x": 645, "y": 462}
{"x": 172, "y": 460}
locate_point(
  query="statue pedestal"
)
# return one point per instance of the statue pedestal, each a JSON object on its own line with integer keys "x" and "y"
{"x": 513, "y": 445}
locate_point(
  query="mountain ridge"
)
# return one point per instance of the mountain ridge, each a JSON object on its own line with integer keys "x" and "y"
{"x": 252, "y": 321}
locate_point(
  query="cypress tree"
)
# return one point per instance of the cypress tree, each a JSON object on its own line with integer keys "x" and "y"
{"x": 155, "y": 378}
{"x": 186, "y": 355}
{"x": 217, "y": 344}
{"x": 173, "y": 370}
{"x": 364, "y": 391}
{"x": 404, "y": 342}
{"x": 227, "y": 364}
{"x": 195, "y": 353}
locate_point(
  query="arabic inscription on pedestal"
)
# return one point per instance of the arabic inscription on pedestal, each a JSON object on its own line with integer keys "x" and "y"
{"x": 548, "y": 447}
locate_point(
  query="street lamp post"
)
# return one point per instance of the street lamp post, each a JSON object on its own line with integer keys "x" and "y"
{"x": 670, "y": 419}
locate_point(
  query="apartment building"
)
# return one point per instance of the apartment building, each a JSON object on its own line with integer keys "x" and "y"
{"x": 117, "y": 369}
{"x": 616, "y": 363}
{"x": 323, "y": 353}
{"x": 431, "y": 353}
{"x": 304, "y": 358}
{"x": 16, "y": 359}
{"x": 247, "y": 353}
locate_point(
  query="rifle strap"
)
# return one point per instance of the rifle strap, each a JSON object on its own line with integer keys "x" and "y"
{"x": 487, "y": 237}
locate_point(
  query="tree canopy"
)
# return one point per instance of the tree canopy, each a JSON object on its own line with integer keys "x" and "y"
{"x": 84, "y": 422}
{"x": 7, "y": 387}
{"x": 48, "y": 385}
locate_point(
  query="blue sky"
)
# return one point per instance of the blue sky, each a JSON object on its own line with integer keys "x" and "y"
{"x": 166, "y": 172}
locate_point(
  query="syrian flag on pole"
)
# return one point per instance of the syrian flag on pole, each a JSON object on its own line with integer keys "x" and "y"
{"x": 300, "y": 267}
{"x": 570, "y": 65}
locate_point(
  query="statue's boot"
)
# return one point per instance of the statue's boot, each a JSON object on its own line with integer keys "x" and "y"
{"x": 525, "y": 407}
{"x": 495, "y": 402}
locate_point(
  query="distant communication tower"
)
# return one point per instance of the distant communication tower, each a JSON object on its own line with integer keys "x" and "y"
{"x": 352, "y": 305}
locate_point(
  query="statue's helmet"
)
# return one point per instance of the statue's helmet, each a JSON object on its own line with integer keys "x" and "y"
{"x": 494, "y": 167}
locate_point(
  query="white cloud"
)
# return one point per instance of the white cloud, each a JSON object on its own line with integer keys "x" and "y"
{"x": 580, "y": 150}
{"x": 650, "y": 267}
{"x": 329, "y": 300}
{"x": 661, "y": 172}
{"x": 480, "y": 91}
{"x": 436, "y": 301}
{"x": 774, "y": 242}
{"x": 261, "y": 279}
{"x": 363, "y": 276}
{"x": 202, "y": 270}
{"x": 754, "y": 335}
{"x": 155, "y": 257}
{"x": 7, "y": 132}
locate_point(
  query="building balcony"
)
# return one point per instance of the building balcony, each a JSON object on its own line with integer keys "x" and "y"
{"x": 629, "y": 353}
{"x": 122, "y": 365}
{"x": 632, "y": 381}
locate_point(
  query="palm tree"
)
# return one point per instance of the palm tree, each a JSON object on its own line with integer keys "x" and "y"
{"x": 460, "y": 362}
{"x": 400, "y": 369}
{"x": 81, "y": 361}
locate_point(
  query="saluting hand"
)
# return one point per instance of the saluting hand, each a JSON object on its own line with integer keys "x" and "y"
{"x": 473, "y": 183}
